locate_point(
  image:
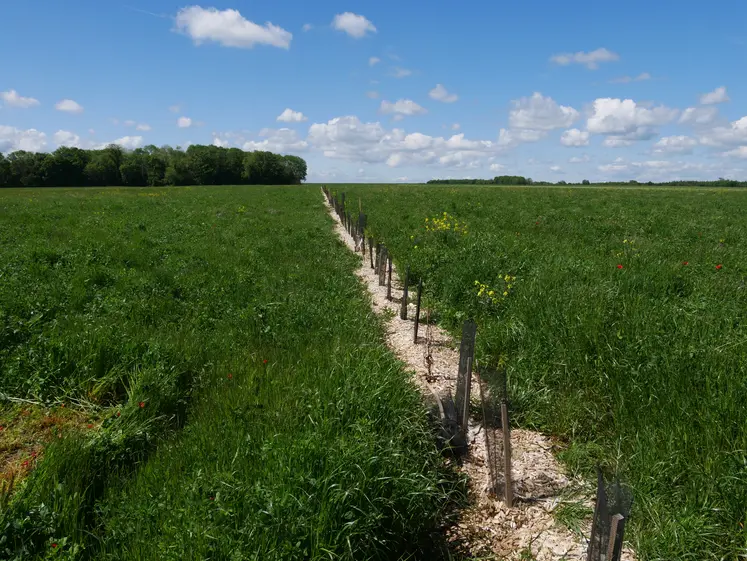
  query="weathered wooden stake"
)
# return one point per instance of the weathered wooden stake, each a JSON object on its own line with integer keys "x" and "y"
{"x": 417, "y": 311}
{"x": 370, "y": 250}
{"x": 363, "y": 246}
{"x": 389, "y": 282}
{"x": 614, "y": 527}
{"x": 467, "y": 390}
{"x": 403, "y": 309}
{"x": 509, "y": 496}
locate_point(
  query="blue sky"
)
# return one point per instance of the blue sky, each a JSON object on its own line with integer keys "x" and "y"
{"x": 390, "y": 91}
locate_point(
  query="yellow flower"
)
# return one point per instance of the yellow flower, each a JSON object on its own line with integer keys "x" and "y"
{"x": 491, "y": 293}
{"x": 505, "y": 294}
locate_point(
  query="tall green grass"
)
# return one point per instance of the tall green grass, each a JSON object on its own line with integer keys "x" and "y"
{"x": 253, "y": 410}
{"x": 641, "y": 368}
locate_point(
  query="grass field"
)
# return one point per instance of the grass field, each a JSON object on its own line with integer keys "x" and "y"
{"x": 212, "y": 381}
{"x": 621, "y": 316}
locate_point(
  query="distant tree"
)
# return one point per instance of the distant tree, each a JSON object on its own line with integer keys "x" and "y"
{"x": 4, "y": 171}
{"x": 585, "y": 182}
{"x": 27, "y": 168}
{"x": 134, "y": 169}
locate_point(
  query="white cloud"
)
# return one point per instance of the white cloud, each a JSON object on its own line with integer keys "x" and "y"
{"x": 290, "y": 116}
{"x": 591, "y": 59}
{"x": 732, "y": 135}
{"x": 556, "y": 169}
{"x": 228, "y": 28}
{"x": 66, "y": 138}
{"x": 129, "y": 123}
{"x": 539, "y": 113}
{"x": 184, "y": 122}
{"x": 439, "y": 93}
{"x": 68, "y": 106}
{"x": 372, "y": 94}
{"x": 12, "y": 98}
{"x": 220, "y": 142}
{"x": 353, "y": 24}
{"x": 627, "y": 79}
{"x": 625, "y": 122}
{"x": 128, "y": 142}
{"x": 497, "y": 167}
{"x": 281, "y": 141}
{"x": 307, "y": 27}
{"x": 401, "y": 72}
{"x": 507, "y": 138}
{"x": 574, "y": 137}
{"x": 401, "y": 107}
{"x": 12, "y": 139}
{"x": 374, "y": 60}
{"x": 699, "y": 115}
{"x": 143, "y": 127}
{"x": 718, "y": 95}
{"x": 348, "y": 138}
{"x": 456, "y": 127}
{"x": 675, "y": 144}
{"x": 740, "y": 152}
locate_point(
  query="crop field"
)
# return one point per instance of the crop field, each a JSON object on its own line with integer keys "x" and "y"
{"x": 195, "y": 373}
{"x": 621, "y": 318}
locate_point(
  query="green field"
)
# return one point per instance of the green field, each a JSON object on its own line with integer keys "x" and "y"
{"x": 243, "y": 404}
{"x": 621, "y": 317}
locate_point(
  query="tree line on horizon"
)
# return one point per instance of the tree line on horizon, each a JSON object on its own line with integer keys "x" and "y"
{"x": 520, "y": 180}
{"x": 149, "y": 166}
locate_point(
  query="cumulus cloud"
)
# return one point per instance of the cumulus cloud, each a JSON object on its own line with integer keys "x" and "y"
{"x": 12, "y": 98}
{"x": 591, "y": 60}
{"x": 675, "y": 144}
{"x": 497, "y": 167}
{"x": 184, "y": 122}
{"x": 129, "y": 142}
{"x": 355, "y": 25}
{"x": 69, "y": 106}
{"x": 142, "y": 127}
{"x": 401, "y": 107}
{"x": 12, "y": 139}
{"x": 624, "y": 121}
{"x": 556, "y": 169}
{"x": 575, "y": 137}
{"x": 439, "y": 93}
{"x": 228, "y": 28}
{"x": 531, "y": 118}
{"x": 281, "y": 141}
{"x": 718, "y": 95}
{"x": 698, "y": 116}
{"x": 220, "y": 142}
{"x": 456, "y": 126}
{"x": 373, "y": 61}
{"x": 733, "y": 134}
{"x": 579, "y": 159}
{"x": 290, "y": 116}
{"x": 348, "y": 138}
{"x": 307, "y": 27}
{"x": 66, "y": 138}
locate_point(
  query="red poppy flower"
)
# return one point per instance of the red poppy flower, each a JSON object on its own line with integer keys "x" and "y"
{"x": 54, "y": 545}
{"x": 264, "y": 361}
{"x": 718, "y": 267}
{"x": 230, "y": 376}
{"x": 33, "y": 454}
{"x": 90, "y": 426}
{"x": 537, "y": 222}
{"x": 619, "y": 266}
{"x": 212, "y": 498}
{"x": 2, "y": 428}
{"x": 142, "y": 404}
{"x": 685, "y": 262}
{"x": 63, "y": 405}
{"x": 119, "y": 413}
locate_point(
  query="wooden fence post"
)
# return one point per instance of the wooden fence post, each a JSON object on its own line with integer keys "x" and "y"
{"x": 505, "y": 423}
{"x": 467, "y": 390}
{"x": 614, "y": 526}
{"x": 417, "y": 310}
